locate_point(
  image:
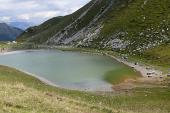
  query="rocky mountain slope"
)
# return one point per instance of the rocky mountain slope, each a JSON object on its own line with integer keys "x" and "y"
{"x": 122, "y": 25}
{"x": 8, "y": 33}
{"x": 58, "y": 25}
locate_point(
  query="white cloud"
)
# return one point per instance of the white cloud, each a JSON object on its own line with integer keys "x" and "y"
{"x": 11, "y": 4}
{"x": 24, "y": 16}
{"x": 37, "y": 10}
{"x": 5, "y": 18}
{"x": 43, "y": 14}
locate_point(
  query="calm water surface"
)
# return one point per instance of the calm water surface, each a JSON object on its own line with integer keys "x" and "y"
{"x": 70, "y": 70}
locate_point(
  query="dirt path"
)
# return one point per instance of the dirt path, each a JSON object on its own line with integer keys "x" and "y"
{"x": 144, "y": 70}
{"x": 150, "y": 76}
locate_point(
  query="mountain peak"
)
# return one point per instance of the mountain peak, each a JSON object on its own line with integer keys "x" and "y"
{"x": 3, "y": 24}
{"x": 8, "y": 33}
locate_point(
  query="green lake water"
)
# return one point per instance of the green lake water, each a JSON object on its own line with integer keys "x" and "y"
{"x": 71, "y": 70}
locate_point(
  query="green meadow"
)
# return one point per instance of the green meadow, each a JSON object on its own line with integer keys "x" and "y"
{"x": 22, "y": 93}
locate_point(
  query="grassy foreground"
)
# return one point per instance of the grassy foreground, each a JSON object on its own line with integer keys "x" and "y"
{"x": 20, "y": 93}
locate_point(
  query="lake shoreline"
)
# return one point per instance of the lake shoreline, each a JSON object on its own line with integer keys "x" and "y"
{"x": 150, "y": 77}
{"x": 143, "y": 69}
{"x": 21, "y": 89}
{"x": 103, "y": 87}
{"x": 139, "y": 68}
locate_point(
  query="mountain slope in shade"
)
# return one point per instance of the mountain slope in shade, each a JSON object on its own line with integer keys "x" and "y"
{"x": 8, "y": 33}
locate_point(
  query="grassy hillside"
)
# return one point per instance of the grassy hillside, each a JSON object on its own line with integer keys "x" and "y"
{"x": 21, "y": 93}
{"x": 37, "y": 29}
{"x": 144, "y": 23}
{"x": 158, "y": 56}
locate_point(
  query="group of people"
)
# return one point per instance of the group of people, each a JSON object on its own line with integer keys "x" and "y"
{"x": 2, "y": 50}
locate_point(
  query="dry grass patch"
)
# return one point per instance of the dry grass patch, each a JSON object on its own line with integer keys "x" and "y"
{"x": 21, "y": 99}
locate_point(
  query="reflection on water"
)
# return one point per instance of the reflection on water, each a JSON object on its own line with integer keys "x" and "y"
{"x": 71, "y": 70}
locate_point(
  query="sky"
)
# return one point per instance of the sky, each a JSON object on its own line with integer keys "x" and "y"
{"x": 37, "y": 11}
